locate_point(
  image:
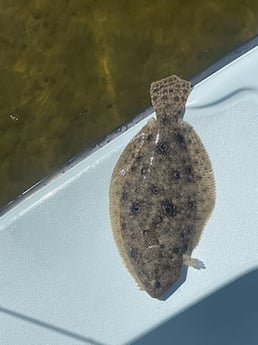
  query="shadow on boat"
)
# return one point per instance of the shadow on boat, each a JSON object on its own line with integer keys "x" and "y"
{"x": 229, "y": 316}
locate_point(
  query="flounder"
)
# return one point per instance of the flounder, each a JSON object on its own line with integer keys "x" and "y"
{"x": 162, "y": 192}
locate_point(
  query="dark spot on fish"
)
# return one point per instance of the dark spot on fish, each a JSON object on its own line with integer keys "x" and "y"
{"x": 162, "y": 148}
{"x": 191, "y": 205}
{"x": 136, "y": 207}
{"x": 180, "y": 140}
{"x": 189, "y": 173}
{"x": 149, "y": 138}
{"x": 167, "y": 267}
{"x": 133, "y": 235}
{"x": 161, "y": 254}
{"x": 154, "y": 98}
{"x": 144, "y": 170}
{"x": 164, "y": 98}
{"x": 137, "y": 190}
{"x": 169, "y": 208}
{"x": 185, "y": 246}
{"x": 154, "y": 189}
{"x": 138, "y": 158}
{"x": 198, "y": 177}
{"x": 165, "y": 120}
{"x": 157, "y": 284}
{"x": 157, "y": 219}
{"x": 124, "y": 196}
{"x": 188, "y": 170}
{"x": 134, "y": 253}
{"x": 176, "y": 174}
{"x": 175, "y": 250}
{"x": 146, "y": 232}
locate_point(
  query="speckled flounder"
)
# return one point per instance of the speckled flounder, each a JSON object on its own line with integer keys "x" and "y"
{"x": 161, "y": 192}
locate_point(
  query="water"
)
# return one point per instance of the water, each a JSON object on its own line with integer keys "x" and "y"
{"x": 71, "y": 71}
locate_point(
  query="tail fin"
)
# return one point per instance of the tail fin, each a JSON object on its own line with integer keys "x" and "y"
{"x": 169, "y": 95}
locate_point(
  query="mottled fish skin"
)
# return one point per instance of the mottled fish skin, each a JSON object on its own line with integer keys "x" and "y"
{"x": 154, "y": 192}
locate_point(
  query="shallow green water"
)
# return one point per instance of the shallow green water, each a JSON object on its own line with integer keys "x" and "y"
{"x": 71, "y": 71}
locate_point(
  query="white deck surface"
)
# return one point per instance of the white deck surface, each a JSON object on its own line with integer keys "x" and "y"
{"x": 62, "y": 280}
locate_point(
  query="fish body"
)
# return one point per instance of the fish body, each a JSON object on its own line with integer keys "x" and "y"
{"x": 161, "y": 192}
